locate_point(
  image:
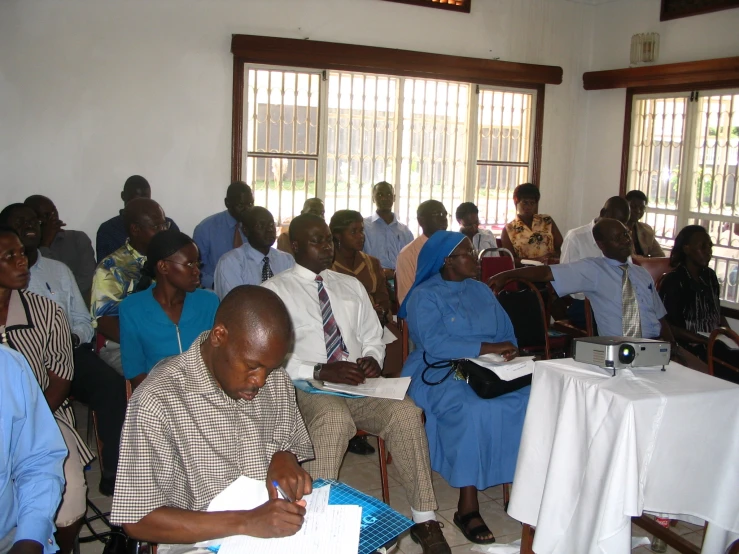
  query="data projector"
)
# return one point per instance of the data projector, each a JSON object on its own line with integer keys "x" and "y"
{"x": 622, "y": 352}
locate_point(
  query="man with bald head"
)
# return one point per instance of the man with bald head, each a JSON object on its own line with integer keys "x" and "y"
{"x": 112, "y": 234}
{"x": 339, "y": 340}
{"x": 432, "y": 216}
{"x": 256, "y": 260}
{"x": 222, "y": 232}
{"x": 72, "y": 248}
{"x": 200, "y": 420}
{"x": 623, "y": 295}
{"x": 119, "y": 273}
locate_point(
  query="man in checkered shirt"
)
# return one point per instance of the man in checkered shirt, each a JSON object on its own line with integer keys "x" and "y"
{"x": 202, "y": 419}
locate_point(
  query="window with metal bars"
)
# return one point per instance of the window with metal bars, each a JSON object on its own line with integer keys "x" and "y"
{"x": 683, "y": 154}
{"x": 335, "y": 134}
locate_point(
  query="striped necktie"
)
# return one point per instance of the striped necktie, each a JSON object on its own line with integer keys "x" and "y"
{"x": 630, "y": 320}
{"x": 335, "y": 348}
{"x": 266, "y": 270}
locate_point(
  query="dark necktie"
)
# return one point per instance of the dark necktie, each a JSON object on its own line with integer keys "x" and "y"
{"x": 335, "y": 348}
{"x": 266, "y": 270}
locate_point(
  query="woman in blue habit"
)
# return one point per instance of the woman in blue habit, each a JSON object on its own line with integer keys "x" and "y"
{"x": 473, "y": 442}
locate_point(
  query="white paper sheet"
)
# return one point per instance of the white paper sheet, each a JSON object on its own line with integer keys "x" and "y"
{"x": 246, "y": 494}
{"x": 723, "y": 338}
{"x": 336, "y": 531}
{"x": 507, "y": 371}
{"x": 378, "y": 387}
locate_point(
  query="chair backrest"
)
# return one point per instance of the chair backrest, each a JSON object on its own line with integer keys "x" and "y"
{"x": 711, "y": 343}
{"x": 492, "y": 265}
{"x": 526, "y": 310}
{"x": 590, "y": 326}
{"x": 660, "y": 279}
{"x": 404, "y": 339}
{"x": 655, "y": 266}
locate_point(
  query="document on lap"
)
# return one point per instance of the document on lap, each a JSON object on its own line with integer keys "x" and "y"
{"x": 507, "y": 371}
{"x": 326, "y": 529}
{"x": 377, "y": 387}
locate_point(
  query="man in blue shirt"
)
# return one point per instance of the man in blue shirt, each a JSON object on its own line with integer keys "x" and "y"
{"x": 255, "y": 261}
{"x": 384, "y": 235}
{"x": 602, "y": 282}
{"x": 32, "y": 453}
{"x": 95, "y": 382}
{"x": 221, "y": 232}
{"x": 112, "y": 234}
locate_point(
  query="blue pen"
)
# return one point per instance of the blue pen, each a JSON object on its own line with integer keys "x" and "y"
{"x": 49, "y": 289}
{"x": 282, "y": 492}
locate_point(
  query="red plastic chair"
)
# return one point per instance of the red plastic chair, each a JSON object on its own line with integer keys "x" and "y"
{"x": 656, "y": 267}
{"x": 491, "y": 265}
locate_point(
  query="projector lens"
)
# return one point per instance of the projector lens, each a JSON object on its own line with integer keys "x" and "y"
{"x": 626, "y": 354}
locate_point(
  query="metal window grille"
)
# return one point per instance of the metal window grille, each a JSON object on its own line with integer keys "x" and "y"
{"x": 684, "y": 156}
{"x": 504, "y": 138}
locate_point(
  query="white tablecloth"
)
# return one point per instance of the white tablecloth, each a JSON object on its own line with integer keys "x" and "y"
{"x": 597, "y": 450}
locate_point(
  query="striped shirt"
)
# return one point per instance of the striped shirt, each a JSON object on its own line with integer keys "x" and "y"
{"x": 37, "y": 328}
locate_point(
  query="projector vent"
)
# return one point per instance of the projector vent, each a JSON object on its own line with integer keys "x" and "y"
{"x": 599, "y": 357}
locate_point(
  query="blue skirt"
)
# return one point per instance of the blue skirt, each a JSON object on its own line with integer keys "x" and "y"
{"x": 472, "y": 441}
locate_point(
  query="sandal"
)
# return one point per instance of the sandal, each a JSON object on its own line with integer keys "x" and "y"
{"x": 473, "y": 535}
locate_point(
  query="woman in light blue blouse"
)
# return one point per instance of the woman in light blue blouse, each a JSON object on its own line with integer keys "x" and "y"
{"x": 165, "y": 318}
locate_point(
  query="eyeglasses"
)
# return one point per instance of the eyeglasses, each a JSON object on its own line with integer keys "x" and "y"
{"x": 188, "y": 265}
{"x": 161, "y": 227}
{"x": 472, "y": 252}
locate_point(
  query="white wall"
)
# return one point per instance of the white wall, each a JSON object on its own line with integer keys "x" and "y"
{"x": 701, "y": 37}
{"x": 93, "y": 91}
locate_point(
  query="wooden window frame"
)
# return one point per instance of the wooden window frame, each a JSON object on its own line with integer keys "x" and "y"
{"x": 271, "y": 51}
{"x": 464, "y": 8}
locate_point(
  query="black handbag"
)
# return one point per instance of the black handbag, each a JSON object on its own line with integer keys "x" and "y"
{"x": 483, "y": 381}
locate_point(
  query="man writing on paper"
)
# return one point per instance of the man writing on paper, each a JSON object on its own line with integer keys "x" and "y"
{"x": 338, "y": 339}
{"x": 202, "y": 419}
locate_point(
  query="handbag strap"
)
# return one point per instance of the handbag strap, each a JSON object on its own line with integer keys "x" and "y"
{"x": 452, "y": 364}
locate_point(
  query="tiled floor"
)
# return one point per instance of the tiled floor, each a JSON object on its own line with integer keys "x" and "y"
{"x": 363, "y": 473}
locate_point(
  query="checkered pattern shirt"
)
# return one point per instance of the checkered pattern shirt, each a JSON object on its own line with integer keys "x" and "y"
{"x": 185, "y": 440}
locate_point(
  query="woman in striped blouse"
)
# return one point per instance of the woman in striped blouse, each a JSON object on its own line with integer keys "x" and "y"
{"x": 37, "y": 328}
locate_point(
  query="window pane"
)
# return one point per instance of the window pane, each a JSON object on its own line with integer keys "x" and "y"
{"x": 725, "y": 238}
{"x": 715, "y": 156}
{"x": 361, "y": 138}
{"x": 505, "y": 127}
{"x": 434, "y": 146}
{"x": 657, "y": 137}
{"x": 281, "y": 185}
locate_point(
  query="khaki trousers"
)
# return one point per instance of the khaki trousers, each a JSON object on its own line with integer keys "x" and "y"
{"x": 333, "y": 420}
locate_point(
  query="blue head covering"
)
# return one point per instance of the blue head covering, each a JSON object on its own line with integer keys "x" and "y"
{"x": 431, "y": 259}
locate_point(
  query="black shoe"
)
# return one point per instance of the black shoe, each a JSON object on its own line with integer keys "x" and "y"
{"x": 359, "y": 445}
{"x": 117, "y": 544}
{"x": 107, "y": 485}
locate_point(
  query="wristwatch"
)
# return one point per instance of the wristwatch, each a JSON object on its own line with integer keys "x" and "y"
{"x": 317, "y": 371}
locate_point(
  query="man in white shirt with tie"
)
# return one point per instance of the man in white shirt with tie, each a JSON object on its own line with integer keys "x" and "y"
{"x": 338, "y": 338}
{"x": 256, "y": 260}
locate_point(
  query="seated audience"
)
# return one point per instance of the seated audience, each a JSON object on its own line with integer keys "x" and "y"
{"x": 112, "y": 234}
{"x": 469, "y": 226}
{"x": 642, "y": 235}
{"x": 623, "y": 295}
{"x": 222, "y": 409}
{"x": 691, "y": 295}
{"x": 579, "y": 243}
{"x": 473, "y": 442}
{"x": 167, "y": 317}
{"x": 118, "y": 274}
{"x": 37, "y": 328}
{"x": 221, "y": 232}
{"x": 311, "y": 206}
{"x": 432, "y": 217}
{"x": 94, "y": 382}
{"x": 256, "y": 260}
{"x": 72, "y": 248}
{"x": 339, "y": 339}
{"x": 32, "y": 453}
{"x": 347, "y": 229}
{"x": 531, "y": 236}
{"x": 384, "y": 235}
